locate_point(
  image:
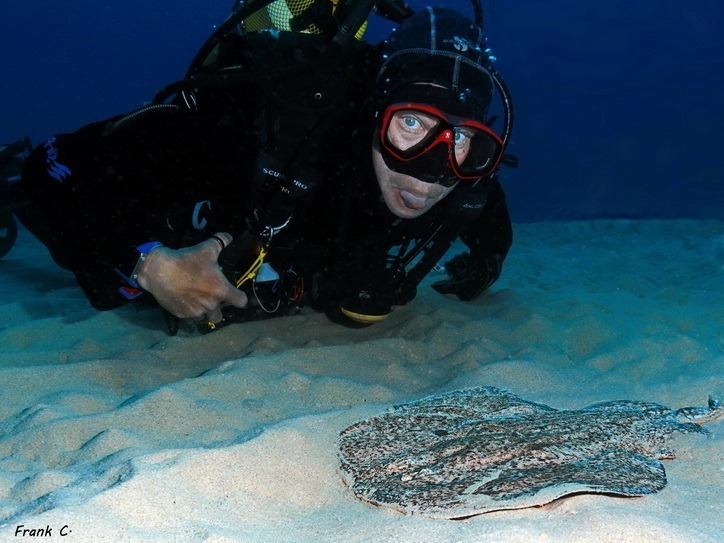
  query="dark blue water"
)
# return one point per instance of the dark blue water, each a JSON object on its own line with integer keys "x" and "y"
{"x": 619, "y": 104}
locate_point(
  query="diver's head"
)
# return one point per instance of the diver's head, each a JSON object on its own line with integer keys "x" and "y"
{"x": 432, "y": 97}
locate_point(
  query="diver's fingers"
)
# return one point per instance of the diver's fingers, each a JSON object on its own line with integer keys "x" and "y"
{"x": 218, "y": 242}
{"x": 232, "y": 295}
{"x": 215, "y": 315}
{"x": 236, "y": 297}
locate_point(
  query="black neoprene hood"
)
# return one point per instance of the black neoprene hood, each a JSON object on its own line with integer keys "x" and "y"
{"x": 439, "y": 46}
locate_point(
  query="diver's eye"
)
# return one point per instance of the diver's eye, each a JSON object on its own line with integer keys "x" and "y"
{"x": 411, "y": 122}
{"x": 462, "y": 137}
{"x": 462, "y": 141}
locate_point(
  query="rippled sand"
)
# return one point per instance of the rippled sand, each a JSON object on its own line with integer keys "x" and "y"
{"x": 118, "y": 432}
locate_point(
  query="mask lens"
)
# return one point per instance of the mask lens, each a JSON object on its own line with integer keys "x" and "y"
{"x": 409, "y": 131}
{"x": 412, "y": 131}
{"x": 477, "y": 152}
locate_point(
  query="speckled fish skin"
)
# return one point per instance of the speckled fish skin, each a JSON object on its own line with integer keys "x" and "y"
{"x": 479, "y": 450}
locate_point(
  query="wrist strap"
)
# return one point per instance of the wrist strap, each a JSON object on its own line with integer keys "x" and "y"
{"x": 144, "y": 251}
{"x": 131, "y": 290}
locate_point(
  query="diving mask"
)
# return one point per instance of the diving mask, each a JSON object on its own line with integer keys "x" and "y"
{"x": 433, "y": 146}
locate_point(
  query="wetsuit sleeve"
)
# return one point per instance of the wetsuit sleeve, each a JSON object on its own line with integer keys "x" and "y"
{"x": 96, "y": 197}
{"x": 489, "y": 238}
{"x": 79, "y": 223}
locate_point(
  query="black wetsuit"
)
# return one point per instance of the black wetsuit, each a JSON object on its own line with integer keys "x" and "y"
{"x": 177, "y": 175}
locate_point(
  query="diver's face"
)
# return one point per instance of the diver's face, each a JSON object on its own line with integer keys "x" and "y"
{"x": 405, "y": 196}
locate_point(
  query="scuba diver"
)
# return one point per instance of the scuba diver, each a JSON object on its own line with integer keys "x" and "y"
{"x": 294, "y": 165}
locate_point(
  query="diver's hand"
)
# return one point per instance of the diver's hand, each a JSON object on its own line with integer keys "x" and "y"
{"x": 468, "y": 277}
{"x": 188, "y": 282}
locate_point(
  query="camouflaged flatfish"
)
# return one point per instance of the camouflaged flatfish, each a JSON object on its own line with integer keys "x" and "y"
{"x": 479, "y": 450}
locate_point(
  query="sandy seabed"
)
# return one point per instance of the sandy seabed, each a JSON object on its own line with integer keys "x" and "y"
{"x": 112, "y": 431}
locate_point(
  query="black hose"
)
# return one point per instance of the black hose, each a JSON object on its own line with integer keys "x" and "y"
{"x": 353, "y": 22}
{"x": 507, "y": 104}
{"x": 245, "y": 9}
{"x": 394, "y": 10}
{"x": 478, "y": 11}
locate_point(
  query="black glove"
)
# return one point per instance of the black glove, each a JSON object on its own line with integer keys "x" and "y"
{"x": 12, "y": 195}
{"x": 12, "y": 157}
{"x": 469, "y": 276}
